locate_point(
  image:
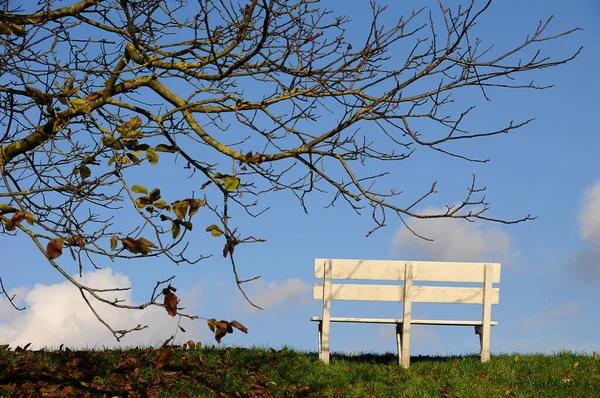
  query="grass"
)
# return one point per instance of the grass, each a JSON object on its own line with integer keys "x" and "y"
{"x": 260, "y": 372}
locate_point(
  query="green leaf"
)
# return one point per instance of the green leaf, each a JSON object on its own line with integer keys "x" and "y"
{"x": 140, "y": 147}
{"x": 85, "y": 172}
{"x": 214, "y": 230}
{"x": 161, "y": 204}
{"x": 231, "y": 183}
{"x": 139, "y": 189}
{"x": 212, "y": 324}
{"x": 30, "y": 218}
{"x": 152, "y": 156}
{"x": 112, "y": 142}
{"x": 188, "y": 225}
{"x": 133, "y": 158}
{"x": 113, "y": 243}
{"x": 180, "y": 208}
{"x": 4, "y": 29}
{"x": 18, "y": 30}
{"x": 134, "y": 123}
{"x": 165, "y": 148}
{"x": 175, "y": 229}
{"x": 142, "y": 202}
{"x": 80, "y": 104}
{"x": 4, "y": 208}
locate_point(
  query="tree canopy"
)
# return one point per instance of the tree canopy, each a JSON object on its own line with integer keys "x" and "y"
{"x": 235, "y": 94}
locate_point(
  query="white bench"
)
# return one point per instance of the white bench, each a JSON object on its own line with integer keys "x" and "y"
{"x": 409, "y": 272}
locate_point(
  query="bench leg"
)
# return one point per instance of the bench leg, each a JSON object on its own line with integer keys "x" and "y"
{"x": 405, "y": 343}
{"x": 484, "y": 343}
{"x": 399, "y": 342}
{"x": 320, "y": 337}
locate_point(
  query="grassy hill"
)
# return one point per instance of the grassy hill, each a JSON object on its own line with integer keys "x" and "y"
{"x": 259, "y": 372}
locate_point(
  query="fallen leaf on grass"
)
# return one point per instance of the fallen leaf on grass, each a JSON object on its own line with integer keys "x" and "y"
{"x": 162, "y": 356}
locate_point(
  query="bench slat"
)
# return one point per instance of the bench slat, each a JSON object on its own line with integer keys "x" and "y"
{"x": 426, "y": 271}
{"x": 420, "y": 294}
{"x": 414, "y": 321}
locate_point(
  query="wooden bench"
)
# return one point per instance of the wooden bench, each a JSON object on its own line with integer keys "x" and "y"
{"x": 409, "y": 272}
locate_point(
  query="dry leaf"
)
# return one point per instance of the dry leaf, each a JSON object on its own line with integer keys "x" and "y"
{"x": 30, "y": 218}
{"x": 137, "y": 246}
{"x": 113, "y": 243}
{"x": 239, "y": 326}
{"x": 212, "y": 324}
{"x": 221, "y": 328}
{"x": 162, "y": 356}
{"x": 15, "y": 220}
{"x": 54, "y": 248}
{"x": 170, "y": 302}
{"x": 221, "y": 331}
{"x": 207, "y": 183}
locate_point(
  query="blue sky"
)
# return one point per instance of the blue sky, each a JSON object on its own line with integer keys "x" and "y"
{"x": 551, "y": 266}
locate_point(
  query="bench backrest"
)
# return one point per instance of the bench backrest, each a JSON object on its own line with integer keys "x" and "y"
{"x": 409, "y": 272}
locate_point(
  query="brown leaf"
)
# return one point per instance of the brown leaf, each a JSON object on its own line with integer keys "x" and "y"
{"x": 195, "y": 204}
{"x": 92, "y": 96}
{"x": 54, "y": 248}
{"x": 221, "y": 331}
{"x": 154, "y": 194}
{"x": 76, "y": 240}
{"x": 171, "y": 301}
{"x": 221, "y": 328}
{"x": 207, "y": 183}
{"x": 162, "y": 356}
{"x": 137, "y": 246}
{"x": 239, "y": 326}
{"x": 16, "y": 219}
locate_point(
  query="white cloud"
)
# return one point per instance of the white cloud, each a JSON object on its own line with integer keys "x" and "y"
{"x": 589, "y": 215}
{"x": 454, "y": 240}
{"x": 57, "y": 314}
{"x": 276, "y": 294}
{"x": 550, "y": 315}
{"x": 586, "y": 261}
